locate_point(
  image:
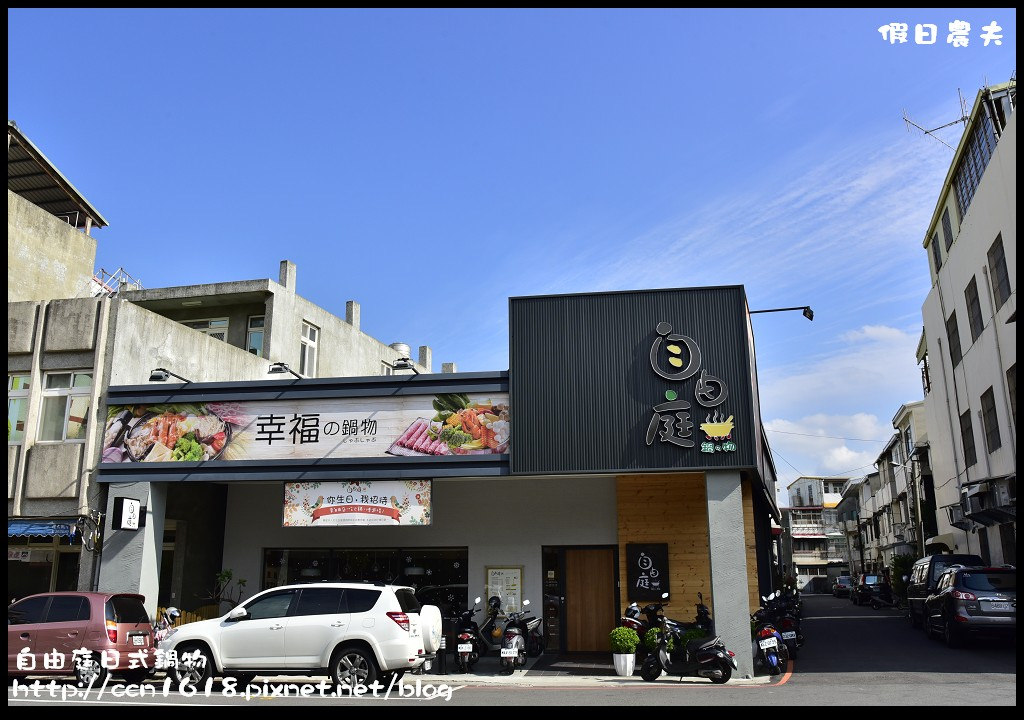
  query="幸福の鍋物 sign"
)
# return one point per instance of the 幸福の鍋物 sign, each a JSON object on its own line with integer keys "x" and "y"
{"x": 405, "y": 426}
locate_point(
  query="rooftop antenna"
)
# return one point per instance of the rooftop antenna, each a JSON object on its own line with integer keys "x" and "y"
{"x": 962, "y": 118}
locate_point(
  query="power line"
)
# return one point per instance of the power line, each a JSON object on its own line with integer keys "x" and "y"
{"x": 776, "y": 452}
{"x": 832, "y": 437}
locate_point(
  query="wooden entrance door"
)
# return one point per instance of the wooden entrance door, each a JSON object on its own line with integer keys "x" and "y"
{"x": 589, "y": 599}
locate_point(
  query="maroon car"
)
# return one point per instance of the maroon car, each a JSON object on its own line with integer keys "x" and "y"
{"x": 63, "y": 622}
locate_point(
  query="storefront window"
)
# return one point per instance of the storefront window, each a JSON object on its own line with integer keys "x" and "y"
{"x": 17, "y": 407}
{"x": 440, "y": 575}
{"x": 41, "y": 563}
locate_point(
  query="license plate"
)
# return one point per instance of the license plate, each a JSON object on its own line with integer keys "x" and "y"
{"x": 509, "y": 652}
{"x": 465, "y": 647}
{"x": 791, "y": 635}
{"x": 138, "y": 639}
{"x": 768, "y": 643}
{"x": 999, "y": 606}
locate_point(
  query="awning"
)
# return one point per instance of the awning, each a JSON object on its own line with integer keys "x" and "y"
{"x": 946, "y": 539}
{"x": 62, "y": 527}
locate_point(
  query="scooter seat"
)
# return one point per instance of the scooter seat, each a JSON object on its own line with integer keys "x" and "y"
{"x": 700, "y": 644}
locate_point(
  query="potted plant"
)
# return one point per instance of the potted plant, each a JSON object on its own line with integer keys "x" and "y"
{"x": 624, "y": 641}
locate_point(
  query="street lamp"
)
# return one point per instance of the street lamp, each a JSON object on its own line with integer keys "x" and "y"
{"x": 280, "y": 368}
{"x": 806, "y": 311}
{"x": 161, "y": 374}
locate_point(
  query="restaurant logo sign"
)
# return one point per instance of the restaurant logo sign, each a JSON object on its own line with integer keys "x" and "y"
{"x": 647, "y": 570}
{"x": 366, "y": 502}
{"x": 677, "y": 358}
{"x": 421, "y": 426}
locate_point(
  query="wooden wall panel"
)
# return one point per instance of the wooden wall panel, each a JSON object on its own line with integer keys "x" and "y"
{"x": 668, "y": 509}
{"x": 750, "y": 540}
{"x": 673, "y": 509}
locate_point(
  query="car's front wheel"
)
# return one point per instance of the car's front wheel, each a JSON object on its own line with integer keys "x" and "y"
{"x": 353, "y": 666}
{"x": 195, "y": 665}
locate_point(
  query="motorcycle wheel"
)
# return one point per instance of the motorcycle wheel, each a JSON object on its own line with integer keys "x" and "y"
{"x": 650, "y": 671}
{"x": 463, "y": 663}
{"x": 792, "y": 650}
{"x": 726, "y": 669}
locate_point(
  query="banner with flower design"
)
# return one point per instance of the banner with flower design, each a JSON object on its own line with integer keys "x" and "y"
{"x": 365, "y": 502}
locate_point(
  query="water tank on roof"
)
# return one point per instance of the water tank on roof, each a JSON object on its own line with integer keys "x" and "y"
{"x": 402, "y": 349}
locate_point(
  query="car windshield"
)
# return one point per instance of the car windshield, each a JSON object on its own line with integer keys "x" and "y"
{"x": 997, "y": 581}
{"x": 127, "y": 609}
{"x": 843, "y": 579}
{"x": 872, "y": 579}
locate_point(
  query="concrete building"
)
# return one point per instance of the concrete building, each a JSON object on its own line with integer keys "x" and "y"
{"x": 72, "y": 332}
{"x": 968, "y": 350}
{"x": 816, "y": 549}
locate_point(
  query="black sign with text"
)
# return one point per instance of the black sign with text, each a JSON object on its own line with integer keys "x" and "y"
{"x": 647, "y": 571}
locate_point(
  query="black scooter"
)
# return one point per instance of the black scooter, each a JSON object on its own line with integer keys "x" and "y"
{"x": 703, "y": 657}
{"x": 471, "y": 642}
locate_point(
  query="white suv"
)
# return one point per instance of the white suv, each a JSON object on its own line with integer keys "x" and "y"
{"x": 352, "y": 632}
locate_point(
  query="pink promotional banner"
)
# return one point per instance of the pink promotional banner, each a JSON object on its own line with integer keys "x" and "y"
{"x": 407, "y": 426}
{"x": 363, "y": 502}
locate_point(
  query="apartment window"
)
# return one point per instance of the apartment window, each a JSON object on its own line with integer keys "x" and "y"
{"x": 254, "y": 338}
{"x": 990, "y": 420}
{"x": 908, "y": 441}
{"x": 974, "y": 309}
{"x": 214, "y": 327}
{"x": 17, "y": 407}
{"x": 947, "y": 229}
{"x": 936, "y": 252}
{"x": 65, "y": 413}
{"x": 967, "y": 438}
{"x": 307, "y": 350}
{"x": 977, "y": 152}
{"x": 953, "y": 336}
{"x": 1011, "y": 385}
{"x": 997, "y": 269}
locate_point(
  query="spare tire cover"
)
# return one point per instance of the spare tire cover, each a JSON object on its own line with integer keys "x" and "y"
{"x": 430, "y": 626}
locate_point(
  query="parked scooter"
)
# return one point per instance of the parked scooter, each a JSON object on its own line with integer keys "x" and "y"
{"x": 779, "y": 611}
{"x": 703, "y": 657}
{"x": 162, "y": 627}
{"x": 517, "y": 631}
{"x": 472, "y": 639}
{"x": 651, "y": 615}
{"x": 769, "y": 649}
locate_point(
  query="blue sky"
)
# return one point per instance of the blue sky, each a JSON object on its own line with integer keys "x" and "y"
{"x": 429, "y": 164}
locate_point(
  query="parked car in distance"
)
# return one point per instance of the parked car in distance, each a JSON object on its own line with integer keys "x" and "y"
{"x": 841, "y": 587}
{"x": 924, "y": 575}
{"x": 868, "y": 585}
{"x": 972, "y": 600}
{"x": 351, "y": 632}
{"x": 68, "y": 621}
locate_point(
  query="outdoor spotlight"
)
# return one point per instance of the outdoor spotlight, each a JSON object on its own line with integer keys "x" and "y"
{"x": 279, "y": 367}
{"x": 162, "y": 374}
{"x": 405, "y": 364}
{"x": 808, "y": 313}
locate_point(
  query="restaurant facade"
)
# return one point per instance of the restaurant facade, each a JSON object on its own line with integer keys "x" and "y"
{"x": 621, "y": 456}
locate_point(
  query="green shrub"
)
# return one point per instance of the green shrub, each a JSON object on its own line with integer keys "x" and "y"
{"x": 652, "y": 637}
{"x": 624, "y": 640}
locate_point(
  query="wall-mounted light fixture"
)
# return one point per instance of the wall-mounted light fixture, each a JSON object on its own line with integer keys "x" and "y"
{"x": 404, "y": 364}
{"x": 279, "y": 368}
{"x": 806, "y": 309}
{"x": 162, "y": 374}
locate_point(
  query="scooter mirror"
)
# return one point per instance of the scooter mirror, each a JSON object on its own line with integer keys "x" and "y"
{"x": 906, "y": 578}
{"x": 476, "y": 601}
{"x": 525, "y": 603}
{"x": 664, "y": 596}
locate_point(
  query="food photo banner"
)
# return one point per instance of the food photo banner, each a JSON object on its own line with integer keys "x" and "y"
{"x": 366, "y": 502}
{"x": 407, "y": 426}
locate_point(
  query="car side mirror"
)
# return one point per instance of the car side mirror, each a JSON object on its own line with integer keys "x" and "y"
{"x": 239, "y": 613}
